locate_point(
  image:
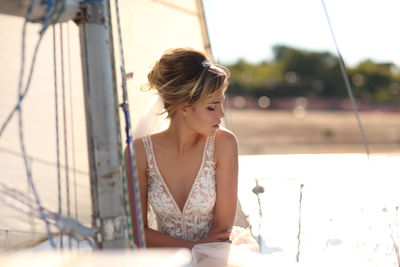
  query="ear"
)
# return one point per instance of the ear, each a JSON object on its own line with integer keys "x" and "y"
{"x": 183, "y": 109}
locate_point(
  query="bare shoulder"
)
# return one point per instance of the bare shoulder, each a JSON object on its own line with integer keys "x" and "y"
{"x": 138, "y": 143}
{"x": 225, "y": 142}
{"x": 140, "y": 153}
{"x": 225, "y": 137}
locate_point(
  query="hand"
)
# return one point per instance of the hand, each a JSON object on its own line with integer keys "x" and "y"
{"x": 222, "y": 236}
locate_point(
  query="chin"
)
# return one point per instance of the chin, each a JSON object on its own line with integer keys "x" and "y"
{"x": 208, "y": 132}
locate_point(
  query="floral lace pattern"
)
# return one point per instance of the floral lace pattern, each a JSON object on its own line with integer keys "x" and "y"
{"x": 195, "y": 220}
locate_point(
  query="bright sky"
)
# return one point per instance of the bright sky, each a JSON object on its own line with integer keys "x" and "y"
{"x": 250, "y": 28}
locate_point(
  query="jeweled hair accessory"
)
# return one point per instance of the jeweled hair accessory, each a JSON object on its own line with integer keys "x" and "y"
{"x": 206, "y": 63}
{"x": 211, "y": 67}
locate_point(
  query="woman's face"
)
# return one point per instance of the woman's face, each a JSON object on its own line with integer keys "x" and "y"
{"x": 206, "y": 118}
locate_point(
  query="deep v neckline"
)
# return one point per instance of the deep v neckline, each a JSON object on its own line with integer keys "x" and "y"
{"x": 165, "y": 184}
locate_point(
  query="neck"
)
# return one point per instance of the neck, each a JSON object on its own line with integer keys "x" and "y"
{"x": 180, "y": 136}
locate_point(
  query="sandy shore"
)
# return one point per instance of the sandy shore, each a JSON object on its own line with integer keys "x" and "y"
{"x": 281, "y": 132}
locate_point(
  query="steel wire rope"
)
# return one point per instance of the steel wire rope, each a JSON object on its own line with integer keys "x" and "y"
{"x": 54, "y": 11}
{"x": 59, "y": 211}
{"x": 137, "y": 207}
{"x": 72, "y": 124}
{"x": 65, "y": 127}
{"x": 346, "y": 80}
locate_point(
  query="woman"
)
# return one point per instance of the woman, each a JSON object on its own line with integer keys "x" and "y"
{"x": 189, "y": 172}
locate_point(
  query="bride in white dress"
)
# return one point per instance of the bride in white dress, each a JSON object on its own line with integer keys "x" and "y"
{"x": 188, "y": 173}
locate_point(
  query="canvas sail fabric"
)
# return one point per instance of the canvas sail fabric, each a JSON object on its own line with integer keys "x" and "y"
{"x": 148, "y": 29}
{"x": 18, "y": 229}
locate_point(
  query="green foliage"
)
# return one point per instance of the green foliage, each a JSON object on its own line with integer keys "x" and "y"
{"x": 296, "y": 72}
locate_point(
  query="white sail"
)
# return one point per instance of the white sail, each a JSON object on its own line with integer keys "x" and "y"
{"x": 148, "y": 28}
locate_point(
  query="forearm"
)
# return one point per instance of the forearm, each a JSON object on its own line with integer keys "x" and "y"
{"x": 158, "y": 239}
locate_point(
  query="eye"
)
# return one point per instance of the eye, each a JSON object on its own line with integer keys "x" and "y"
{"x": 211, "y": 108}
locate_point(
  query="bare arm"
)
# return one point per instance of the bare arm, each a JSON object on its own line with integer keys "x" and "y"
{"x": 158, "y": 239}
{"x": 141, "y": 165}
{"x": 226, "y": 155}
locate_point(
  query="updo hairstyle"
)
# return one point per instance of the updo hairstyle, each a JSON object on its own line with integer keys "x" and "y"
{"x": 186, "y": 76}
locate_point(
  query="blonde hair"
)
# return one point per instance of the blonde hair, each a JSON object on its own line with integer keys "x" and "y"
{"x": 186, "y": 76}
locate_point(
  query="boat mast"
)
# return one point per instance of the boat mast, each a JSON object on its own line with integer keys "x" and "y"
{"x": 102, "y": 136}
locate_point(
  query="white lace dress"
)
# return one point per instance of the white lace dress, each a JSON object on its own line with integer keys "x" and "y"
{"x": 195, "y": 220}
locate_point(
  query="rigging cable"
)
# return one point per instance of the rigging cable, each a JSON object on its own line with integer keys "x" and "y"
{"x": 66, "y": 225}
{"x": 54, "y": 10}
{"x": 125, "y": 186}
{"x": 50, "y": 17}
{"x": 74, "y": 171}
{"x": 57, "y": 129}
{"x": 130, "y": 151}
{"x": 27, "y": 86}
{"x": 72, "y": 124}
{"x": 52, "y": 14}
{"x": 39, "y": 160}
{"x": 29, "y": 192}
{"x": 346, "y": 80}
{"x": 65, "y": 126}
{"x": 18, "y": 107}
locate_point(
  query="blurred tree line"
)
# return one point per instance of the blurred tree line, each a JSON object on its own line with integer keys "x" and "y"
{"x": 293, "y": 72}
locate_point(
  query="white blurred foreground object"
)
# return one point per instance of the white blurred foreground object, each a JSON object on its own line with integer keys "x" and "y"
{"x": 243, "y": 251}
{"x": 148, "y": 257}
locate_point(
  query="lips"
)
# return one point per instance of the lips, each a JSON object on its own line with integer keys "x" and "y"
{"x": 216, "y": 126}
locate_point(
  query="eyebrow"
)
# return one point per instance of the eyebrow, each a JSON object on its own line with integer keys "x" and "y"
{"x": 216, "y": 102}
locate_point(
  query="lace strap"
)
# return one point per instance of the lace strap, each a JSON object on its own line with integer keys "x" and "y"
{"x": 210, "y": 148}
{"x": 148, "y": 148}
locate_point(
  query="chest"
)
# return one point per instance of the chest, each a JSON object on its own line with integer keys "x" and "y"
{"x": 180, "y": 173}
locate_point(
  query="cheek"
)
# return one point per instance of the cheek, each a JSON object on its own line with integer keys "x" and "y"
{"x": 201, "y": 118}
{"x": 205, "y": 117}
